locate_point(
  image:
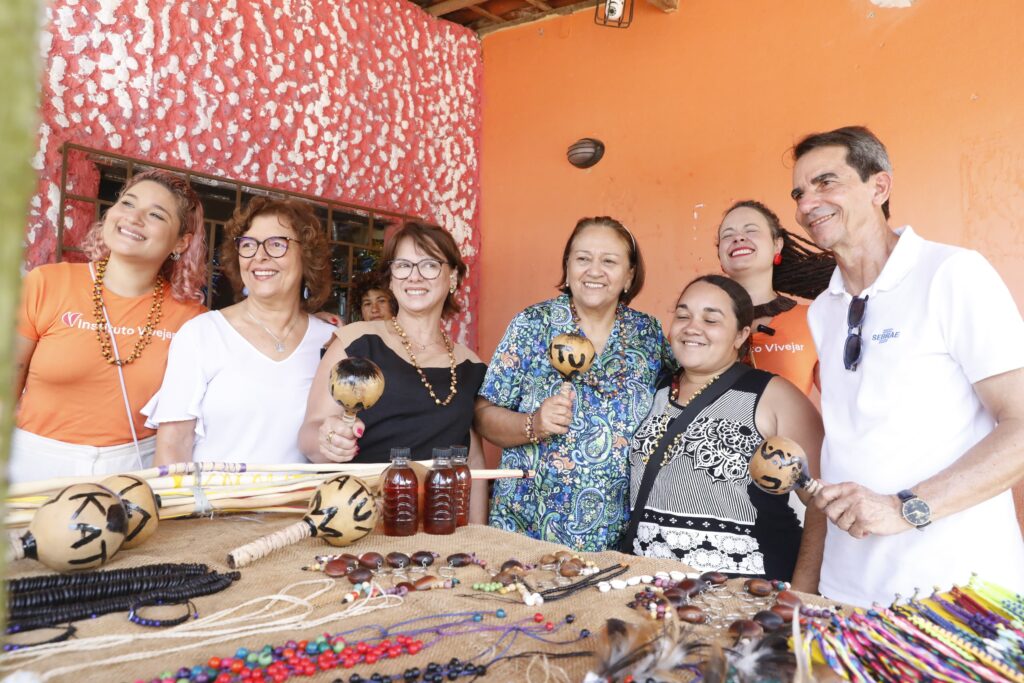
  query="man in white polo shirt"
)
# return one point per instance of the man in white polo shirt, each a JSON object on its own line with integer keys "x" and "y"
{"x": 921, "y": 349}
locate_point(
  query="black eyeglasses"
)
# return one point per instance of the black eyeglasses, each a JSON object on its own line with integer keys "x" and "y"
{"x": 276, "y": 247}
{"x": 429, "y": 268}
{"x": 853, "y": 348}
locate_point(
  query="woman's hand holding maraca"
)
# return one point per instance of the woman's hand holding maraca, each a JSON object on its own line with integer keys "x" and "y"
{"x": 339, "y": 438}
{"x": 554, "y": 415}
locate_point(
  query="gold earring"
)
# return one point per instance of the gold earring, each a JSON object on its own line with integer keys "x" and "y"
{"x": 454, "y": 285}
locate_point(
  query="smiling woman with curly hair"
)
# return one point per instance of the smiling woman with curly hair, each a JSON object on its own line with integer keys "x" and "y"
{"x": 237, "y": 378}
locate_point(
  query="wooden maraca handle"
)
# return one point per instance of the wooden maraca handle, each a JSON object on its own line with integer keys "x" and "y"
{"x": 812, "y": 486}
{"x": 347, "y": 417}
{"x": 565, "y": 389}
{"x": 260, "y": 548}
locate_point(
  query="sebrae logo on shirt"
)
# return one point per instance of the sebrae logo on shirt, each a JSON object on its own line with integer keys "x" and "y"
{"x": 885, "y": 335}
{"x": 76, "y": 320}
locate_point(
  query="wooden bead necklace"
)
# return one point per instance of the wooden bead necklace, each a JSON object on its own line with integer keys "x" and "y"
{"x": 675, "y": 389}
{"x": 672, "y": 411}
{"x": 343, "y": 651}
{"x": 452, "y": 389}
{"x": 152, "y": 318}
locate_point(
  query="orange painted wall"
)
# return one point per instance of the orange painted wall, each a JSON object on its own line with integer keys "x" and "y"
{"x": 699, "y": 107}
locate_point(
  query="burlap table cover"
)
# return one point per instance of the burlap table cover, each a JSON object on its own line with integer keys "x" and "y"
{"x": 209, "y": 541}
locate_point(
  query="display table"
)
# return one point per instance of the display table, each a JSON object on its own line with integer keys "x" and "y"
{"x": 151, "y": 651}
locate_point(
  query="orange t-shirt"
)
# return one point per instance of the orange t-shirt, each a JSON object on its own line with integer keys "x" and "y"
{"x": 790, "y": 351}
{"x": 71, "y": 393}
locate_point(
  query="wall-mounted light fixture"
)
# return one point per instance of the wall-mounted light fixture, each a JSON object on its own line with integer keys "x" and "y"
{"x": 585, "y": 152}
{"x": 614, "y": 13}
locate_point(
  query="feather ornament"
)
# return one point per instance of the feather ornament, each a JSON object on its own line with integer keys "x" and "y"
{"x": 751, "y": 660}
{"x": 652, "y": 652}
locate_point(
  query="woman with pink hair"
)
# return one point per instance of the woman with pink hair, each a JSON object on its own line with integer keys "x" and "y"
{"x": 93, "y": 337}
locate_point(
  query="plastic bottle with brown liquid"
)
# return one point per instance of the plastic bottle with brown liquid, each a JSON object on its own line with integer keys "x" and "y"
{"x": 401, "y": 496}
{"x": 463, "y": 482}
{"x": 439, "y": 491}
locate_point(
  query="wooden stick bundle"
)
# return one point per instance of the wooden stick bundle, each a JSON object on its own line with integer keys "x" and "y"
{"x": 226, "y": 487}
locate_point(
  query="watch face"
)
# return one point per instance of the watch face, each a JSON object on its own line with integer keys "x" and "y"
{"x": 917, "y": 512}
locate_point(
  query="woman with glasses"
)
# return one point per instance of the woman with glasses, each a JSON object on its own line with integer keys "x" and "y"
{"x": 430, "y": 381}
{"x": 577, "y": 444}
{"x": 237, "y": 378}
{"x": 92, "y": 338}
{"x": 691, "y": 494}
{"x": 757, "y": 252}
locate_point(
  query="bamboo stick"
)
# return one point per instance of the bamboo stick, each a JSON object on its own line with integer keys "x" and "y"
{"x": 19, "y": 51}
{"x": 180, "y": 501}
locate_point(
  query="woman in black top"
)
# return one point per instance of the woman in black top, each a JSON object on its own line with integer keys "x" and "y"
{"x": 691, "y": 494}
{"x": 430, "y": 382}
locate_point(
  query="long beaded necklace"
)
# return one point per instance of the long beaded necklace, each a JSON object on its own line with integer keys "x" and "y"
{"x": 152, "y": 318}
{"x": 675, "y": 389}
{"x": 453, "y": 389}
{"x": 671, "y": 412}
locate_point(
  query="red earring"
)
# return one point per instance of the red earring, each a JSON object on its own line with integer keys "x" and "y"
{"x": 778, "y": 259}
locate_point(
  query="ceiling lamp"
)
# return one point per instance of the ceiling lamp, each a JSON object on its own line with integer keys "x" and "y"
{"x": 614, "y": 13}
{"x": 585, "y": 152}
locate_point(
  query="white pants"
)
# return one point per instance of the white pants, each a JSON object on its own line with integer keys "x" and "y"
{"x": 35, "y": 457}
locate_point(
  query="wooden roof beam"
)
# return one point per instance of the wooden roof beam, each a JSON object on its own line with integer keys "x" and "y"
{"x": 539, "y": 4}
{"x": 449, "y": 6}
{"x": 476, "y": 9}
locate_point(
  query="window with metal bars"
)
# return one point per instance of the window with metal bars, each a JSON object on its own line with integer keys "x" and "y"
{"x": 91, "y": 179}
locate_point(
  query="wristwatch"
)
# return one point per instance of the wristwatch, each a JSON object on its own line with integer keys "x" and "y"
{"x": 914, "y": 510}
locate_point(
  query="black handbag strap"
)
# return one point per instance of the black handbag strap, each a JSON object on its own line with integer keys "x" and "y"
{"x": 705, "y": 398}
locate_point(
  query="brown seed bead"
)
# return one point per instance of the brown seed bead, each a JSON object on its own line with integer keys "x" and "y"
{"x": 548, "y": 559}
{"x": 789, "y": 599}
{"x": 459, "y": 560}
{"x": 741, "y": 629}
{"x": 714, "y": 578}
{"x": 371, "y": 560}
{"x": 675, "y": 596}
{"x": 506, "y": 578}
{"x": 570, "y": 568}
{"x": 405, "y": 587}
{"x": 337, "y": 568}
{"x": 692, "y": 587}
{"x": 423, "y": 558}
{"x": 425, "y": 583}
{"x": 563, "y": 555}
{"x": 397, "y": 560}
{"x": 770, "y": 621}
{"x": 758, "y": 587}
{"x": 359, "y": 575}
{"x": 509, "y": 564}
{"x": 691, "y": 614}
{"x": 784, "y": 611}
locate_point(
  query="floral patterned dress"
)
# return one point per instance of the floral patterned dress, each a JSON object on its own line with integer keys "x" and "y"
{"x": 579, "y": 496}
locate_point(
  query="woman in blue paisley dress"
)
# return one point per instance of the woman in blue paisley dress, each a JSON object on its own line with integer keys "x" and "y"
{"x": 577, "y": 444}
{"x": 702, "y": 507}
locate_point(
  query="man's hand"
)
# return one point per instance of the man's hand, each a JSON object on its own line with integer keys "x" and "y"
{"x": 860, "y": 511}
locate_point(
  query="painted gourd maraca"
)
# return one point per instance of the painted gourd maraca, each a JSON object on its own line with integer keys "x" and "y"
{"x": 79, "y": 528}
{"x": 341, "y": 511}
{"x": 777, "y": 467}
{"x": 356, "y": 384}
{"x": 571, "y": 355}
{"x": 141, "y": 505}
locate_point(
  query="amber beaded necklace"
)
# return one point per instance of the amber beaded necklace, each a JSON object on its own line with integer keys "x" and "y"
{"x": 152, "y": 318}
{"x": 453, "y": 389}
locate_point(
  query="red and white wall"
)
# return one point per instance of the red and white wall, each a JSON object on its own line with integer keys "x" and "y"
{"x": 371, "y": 102}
